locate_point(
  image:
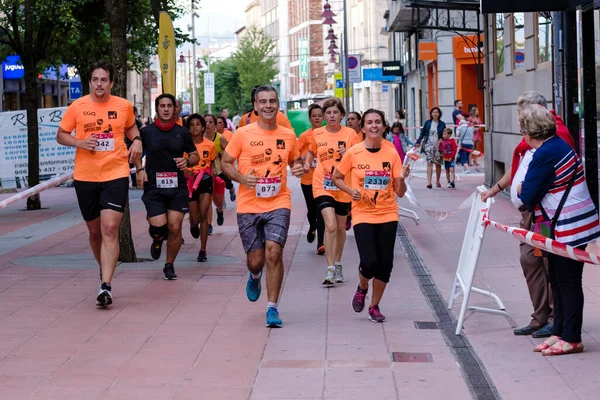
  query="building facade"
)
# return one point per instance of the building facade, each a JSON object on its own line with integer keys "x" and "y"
{"x": 306, "y": 51}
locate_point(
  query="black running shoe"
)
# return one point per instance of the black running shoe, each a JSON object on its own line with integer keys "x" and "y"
{"x": 155, "y": 249}
{"x": 195, "y": 231}
{"x": 220, "y": 218}
{"x": 104, "y": 298}
{"x": 210, "y": 229}
{"x": 202, "y": 256}
{"x": 232, "y": 195}
{"x": 169, "y": 272}
{"x": 310, "y": 236}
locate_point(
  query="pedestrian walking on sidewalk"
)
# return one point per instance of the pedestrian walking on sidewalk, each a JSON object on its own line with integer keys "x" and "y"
{"x": 328, "y": 146}
{"x": 200, "y": 182}
{"x": 101, "y": 176}
{"x": 431, "y": 134}
{"x": 465, "y": 136}
{"x": 555, "y": 188}
{"x": 448, "y": 149}
{"x": 264, "y": 150}
{"x": 376, "y": 177}
{"x": 166, "y": 195}
{"x": 315, "y": 220}
{"x": 477, "y": 133}
{"x": 535, "y": 269}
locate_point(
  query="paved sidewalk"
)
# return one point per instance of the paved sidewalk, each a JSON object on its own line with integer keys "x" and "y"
{"x": 200, "y": 338}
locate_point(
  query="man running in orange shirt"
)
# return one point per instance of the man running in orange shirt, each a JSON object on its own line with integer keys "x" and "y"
{"x": 101, "y": 123}
{"x": 252, "y": 116}
{"x": 264, "y": 150}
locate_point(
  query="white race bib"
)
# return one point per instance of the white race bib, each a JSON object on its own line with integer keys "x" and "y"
{"x": 268, "y": 187}
{"x": 377, "y": 180}
{"x": 328, "y": 183}
{"x": 166, "y": 180}
{"x": 105, "y": 141}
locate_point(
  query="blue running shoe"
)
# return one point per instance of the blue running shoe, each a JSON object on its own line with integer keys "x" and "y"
{"x": 273, "y": 320}
{"x": 253, "y": 287}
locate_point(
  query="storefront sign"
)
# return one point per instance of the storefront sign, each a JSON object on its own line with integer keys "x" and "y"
{"x": 509, "y": 6}
{"x": 12, "y": 68}
{"x": 303, "y": 58}
{"x": 392, "y": 68}
{"x": 376, "y": 74}
{"x": 467, "y": 47}
{"x": 55, "y": 159}
{"x": 427, "y": 51}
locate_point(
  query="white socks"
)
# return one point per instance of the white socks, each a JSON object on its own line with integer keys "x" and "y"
{"x": 271, "y": 304}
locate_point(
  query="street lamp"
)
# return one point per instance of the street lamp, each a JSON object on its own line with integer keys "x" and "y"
{"x": 182, "y": 60}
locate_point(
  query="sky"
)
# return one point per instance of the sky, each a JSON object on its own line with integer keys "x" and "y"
{"x": 223, "y": 17}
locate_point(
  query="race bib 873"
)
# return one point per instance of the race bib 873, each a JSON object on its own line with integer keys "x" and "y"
{"x": 268, "y": 187}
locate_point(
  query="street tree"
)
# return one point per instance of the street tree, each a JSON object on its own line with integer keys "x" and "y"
{"x": 256, "y": 61}
{"x": 34, "y": 30}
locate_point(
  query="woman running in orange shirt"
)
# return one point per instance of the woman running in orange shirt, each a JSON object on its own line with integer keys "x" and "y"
{"x": 328, "y": 145}
{"x": 315, "y": 116}
{"x": 376, "y": 178}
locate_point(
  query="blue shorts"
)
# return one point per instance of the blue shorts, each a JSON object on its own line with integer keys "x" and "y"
{"x": 449, "y": 164}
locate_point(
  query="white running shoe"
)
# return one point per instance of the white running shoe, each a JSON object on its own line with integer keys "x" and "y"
{"x": 329, "y": 277}
{"x": 339, "y": 276}
{"x": 104, "y": 298}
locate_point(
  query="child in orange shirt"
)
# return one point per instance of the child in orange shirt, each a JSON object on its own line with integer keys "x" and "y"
{"x": 448, "y": 149}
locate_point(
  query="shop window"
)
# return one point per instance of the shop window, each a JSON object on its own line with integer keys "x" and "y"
{"x": 519, "y": 40}
{"x": 544, "y": 38}
{"x": 499, "y": 43}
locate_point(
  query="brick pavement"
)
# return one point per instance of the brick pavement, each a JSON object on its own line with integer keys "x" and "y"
{"x": 200, "y": 338}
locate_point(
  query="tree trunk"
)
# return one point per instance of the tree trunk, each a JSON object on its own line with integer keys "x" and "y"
{"x": 115, "y": 13}
{"x": 29, "y": 59}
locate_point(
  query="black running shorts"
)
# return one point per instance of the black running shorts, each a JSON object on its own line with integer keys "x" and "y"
{"x": 206, "y": 186}
{"x": 340, "y": 208}
{"x": 158, "y": 201}
{"x": 94, "y": 197}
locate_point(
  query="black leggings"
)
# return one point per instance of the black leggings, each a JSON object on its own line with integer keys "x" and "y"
{"x": 375, "y": 244}
{"x": 315, "y": 219}
{"x": 565, "y": 280}
{"x": 228, "y": 183}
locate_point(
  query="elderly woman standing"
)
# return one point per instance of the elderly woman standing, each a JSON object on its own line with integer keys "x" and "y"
{"x": 555, "y": 188}
{"x": 431, "y": 134}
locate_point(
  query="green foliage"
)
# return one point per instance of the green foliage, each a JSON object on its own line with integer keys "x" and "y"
{"x": 254, "y": 63}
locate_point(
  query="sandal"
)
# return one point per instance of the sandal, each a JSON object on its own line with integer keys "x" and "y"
{"x": 438, "y": 185}
{"x": 429, "y": 186}
{"x": 546, "y": 344}
{"x": 561, "y": 347}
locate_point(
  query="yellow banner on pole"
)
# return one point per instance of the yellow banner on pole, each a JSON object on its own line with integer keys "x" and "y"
{"x": 339, "y": 90}
{"x": 166, "y": 52}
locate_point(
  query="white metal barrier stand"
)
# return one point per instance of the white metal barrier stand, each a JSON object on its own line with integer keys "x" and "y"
{"x": 467, "y": 265}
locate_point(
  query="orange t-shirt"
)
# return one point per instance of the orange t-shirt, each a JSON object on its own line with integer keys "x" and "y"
{"x": 179, "y": 121}
{"x": 373, "y": 174}
{"x": 303, "y": 145}
{"x": 250, "y": 118}
{"x": 207, "y": 153}
{"x": 109, "y": 121}
{"x": 267, "y": 153}
{"x": 325, "y": 146}
{"x": 227, "y": 134}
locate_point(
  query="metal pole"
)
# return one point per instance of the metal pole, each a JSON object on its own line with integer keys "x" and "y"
{"x": 195, "y": 103}
{"x": 209, "y": 105}
{"x": 190, "y": 76}
{"x": 345, "y": 64}
{"x": 149, "y": 89}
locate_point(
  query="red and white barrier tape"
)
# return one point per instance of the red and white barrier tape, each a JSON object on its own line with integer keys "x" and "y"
{"x": 544, "y": 243}
{"x": 412, "y": 128}
{"x": 36, "y": 189}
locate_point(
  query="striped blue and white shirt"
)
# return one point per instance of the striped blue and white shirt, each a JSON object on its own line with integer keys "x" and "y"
{"x": 549, "y": 174}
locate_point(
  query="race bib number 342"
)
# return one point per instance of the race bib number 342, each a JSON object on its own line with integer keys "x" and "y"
{"x": 268, "y": 187}
{"x": 166, "y": 180}
{"x": 377, "y": 180}
{"x": 105, "y": 141}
